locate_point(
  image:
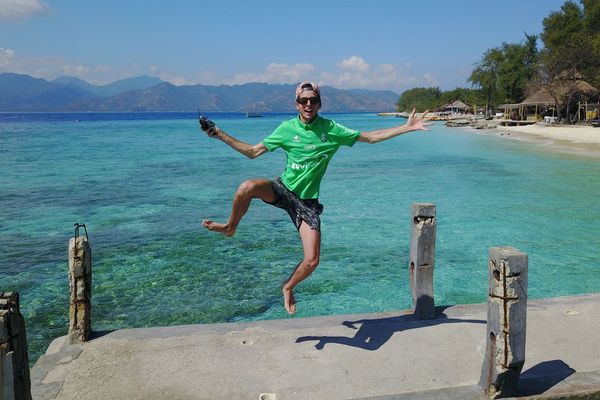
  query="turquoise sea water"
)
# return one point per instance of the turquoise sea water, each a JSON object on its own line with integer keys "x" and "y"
{"x": 143, "y": 182}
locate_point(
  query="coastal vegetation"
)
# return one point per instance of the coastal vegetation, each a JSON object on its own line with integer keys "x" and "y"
{"x": 508, "y": 73}
{"x": 431, "y": 98}
{"x": 504, "y": 73}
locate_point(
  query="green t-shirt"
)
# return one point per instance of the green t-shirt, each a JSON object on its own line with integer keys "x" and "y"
{"x": 309, "y": 149}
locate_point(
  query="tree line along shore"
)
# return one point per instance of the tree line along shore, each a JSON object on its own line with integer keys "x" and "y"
{"x": 557, "y": 83}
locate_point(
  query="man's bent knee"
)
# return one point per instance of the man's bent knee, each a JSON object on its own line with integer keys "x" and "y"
{"x": 255, "y": 188}
{"x": 311, "y": 263}
{"x": 247, "y": 188}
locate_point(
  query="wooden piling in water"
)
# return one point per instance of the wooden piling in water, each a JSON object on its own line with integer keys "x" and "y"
{"x": 15, "y": 383}
{"x": 80, "y": 283}
{"x": 422, "y": 254}
{"x": 506, "y": 322}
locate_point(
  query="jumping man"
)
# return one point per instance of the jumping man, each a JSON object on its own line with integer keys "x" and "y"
{"x": 309, "y": 141}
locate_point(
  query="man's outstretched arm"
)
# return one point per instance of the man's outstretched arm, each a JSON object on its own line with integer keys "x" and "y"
{"x": 250, "y": 151}
{"x": 412, "y": 124}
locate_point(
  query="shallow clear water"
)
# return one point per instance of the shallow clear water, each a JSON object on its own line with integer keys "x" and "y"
{"x": 143, "y": 182}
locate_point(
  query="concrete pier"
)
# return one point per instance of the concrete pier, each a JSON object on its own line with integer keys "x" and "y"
{"x": 373, "y": 356}
{"x": 80, "y": 284}
{"x": 506, "y": 322}
{"x": 14, "y": 359}
{"x": 422, "y": 258}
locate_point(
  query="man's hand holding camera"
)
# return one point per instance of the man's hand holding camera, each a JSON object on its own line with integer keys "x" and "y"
{"x": 208, "y": 126}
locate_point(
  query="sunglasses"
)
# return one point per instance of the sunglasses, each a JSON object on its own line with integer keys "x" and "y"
{"x": 305, "y": 100}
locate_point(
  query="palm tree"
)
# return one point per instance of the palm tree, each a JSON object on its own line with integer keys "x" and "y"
{"x": 486, "y": 74}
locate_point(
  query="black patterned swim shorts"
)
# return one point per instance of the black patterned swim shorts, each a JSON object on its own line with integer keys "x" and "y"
{"x": 307, "y": 210}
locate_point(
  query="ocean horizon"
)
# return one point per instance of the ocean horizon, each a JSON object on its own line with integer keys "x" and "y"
{"x": 143, "y": 182}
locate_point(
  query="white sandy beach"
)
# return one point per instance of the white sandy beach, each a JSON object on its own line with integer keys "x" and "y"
{"x": 574, "y": 139}
{"x": 573, "y": 133}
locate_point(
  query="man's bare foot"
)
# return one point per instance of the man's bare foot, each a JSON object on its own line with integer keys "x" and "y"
{"x": 288, "y": 301}
{"x": 216, "y": 227}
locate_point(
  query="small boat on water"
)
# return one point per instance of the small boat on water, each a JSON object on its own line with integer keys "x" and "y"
{"x": 253, "y": 115}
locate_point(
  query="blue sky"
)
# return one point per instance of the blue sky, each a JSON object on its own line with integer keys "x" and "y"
{"x": 392, "y": 45}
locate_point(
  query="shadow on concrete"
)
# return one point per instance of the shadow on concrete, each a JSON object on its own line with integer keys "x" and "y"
{"x": 374, "y": 333}
{"x": 543, "y": 376}
{"x": 99, "y": 334}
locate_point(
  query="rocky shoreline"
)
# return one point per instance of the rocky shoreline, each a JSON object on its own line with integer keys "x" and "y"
{"x": 473, "y": 123}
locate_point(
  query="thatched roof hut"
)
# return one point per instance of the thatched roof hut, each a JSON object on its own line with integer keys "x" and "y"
{"x": 553, "y": 97}
{"x": 542, "y": 97}
{"x": 560, "y": 89}
{"x": 456, "y": 106}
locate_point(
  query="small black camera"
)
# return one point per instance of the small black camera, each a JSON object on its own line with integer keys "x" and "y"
{"x": 205, "y": 123}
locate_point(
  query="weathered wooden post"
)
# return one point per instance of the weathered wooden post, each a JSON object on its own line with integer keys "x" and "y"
{"x": 506, "y": 322}
{"x": 80, "y": 283}
{"x": 15, "y": 383}
{"x": 422, "y": 254}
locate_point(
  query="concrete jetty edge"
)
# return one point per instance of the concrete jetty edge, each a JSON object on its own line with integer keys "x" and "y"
{"x": 380, "y": 356}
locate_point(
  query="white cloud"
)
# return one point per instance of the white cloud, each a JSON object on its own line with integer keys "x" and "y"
{"x": 351, "y": 72}
{"x": 208, "y": 77}
{"x": 430, "y": 79}
{"x": 6, "y": 56}
{"x": 21, "y": 9}
{"x": 176, "y": 80}
{"x": 79, "y": 71}
{"x": 102, "y": 68}
{"x": 354, "y": 64}
{"x": 278, "y": 73}
{"x": 355, "y": 72}
{"x": 52, "y": 67}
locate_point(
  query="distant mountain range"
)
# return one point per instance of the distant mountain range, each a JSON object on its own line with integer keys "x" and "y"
{"x": 125, "y": 85}
{"x": 144, "y": 93}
